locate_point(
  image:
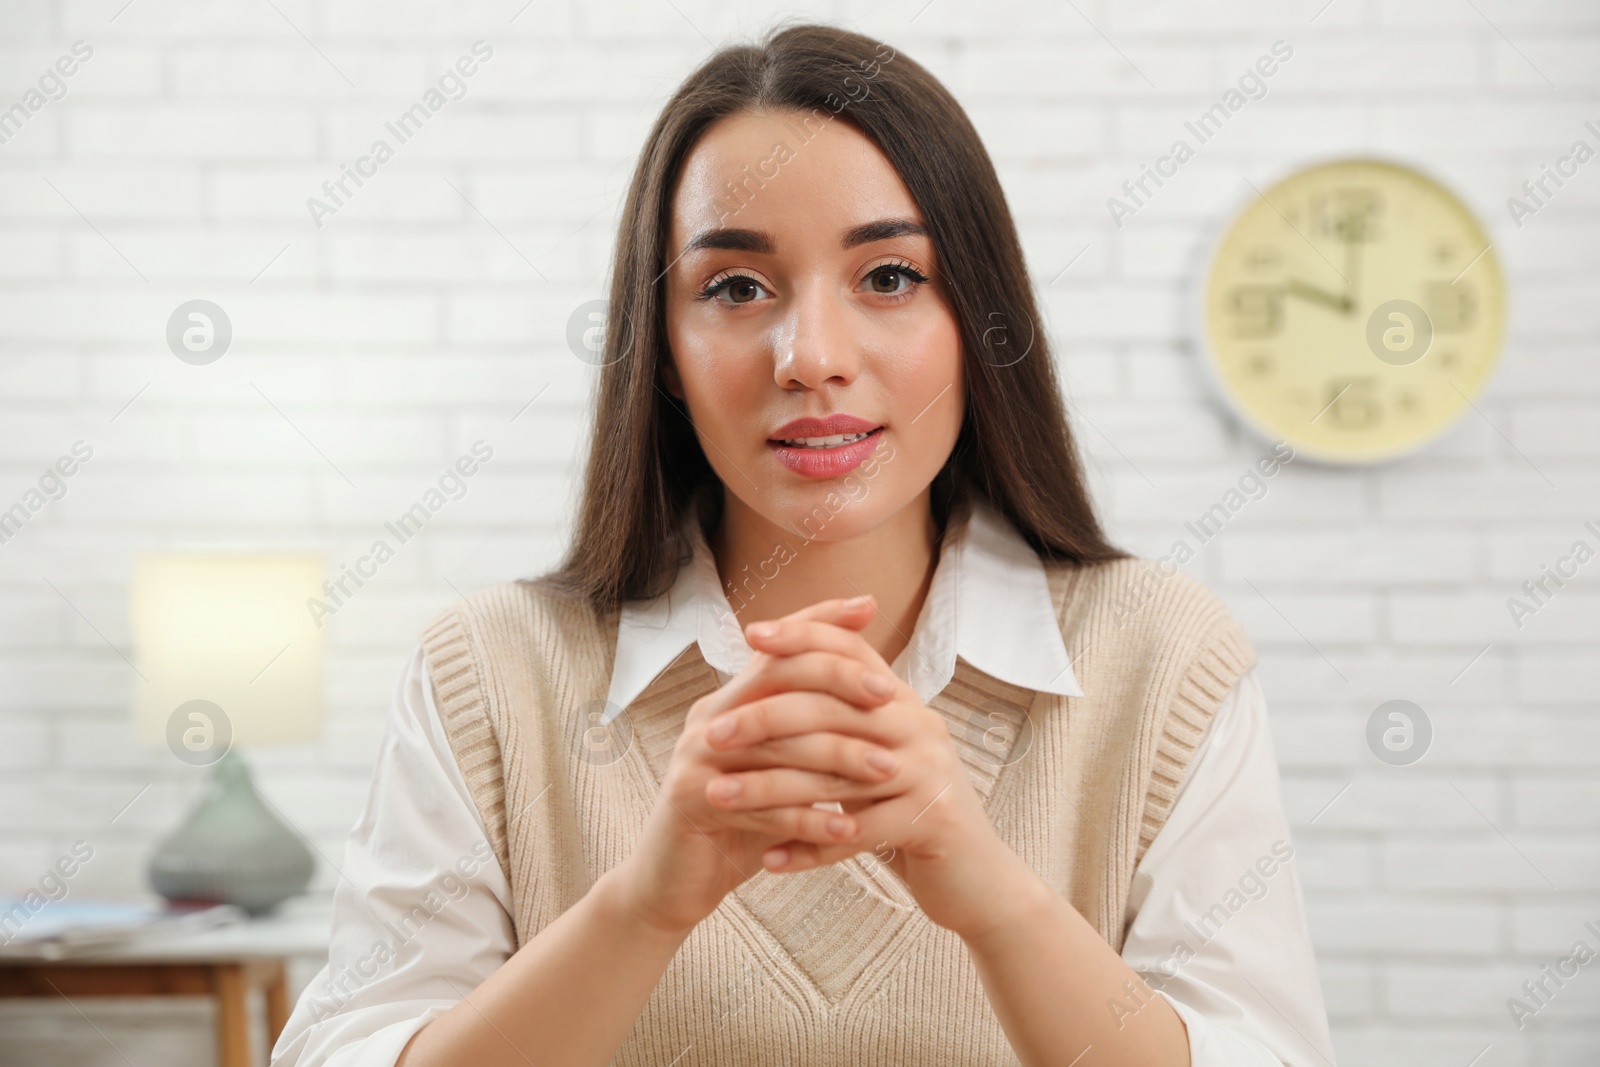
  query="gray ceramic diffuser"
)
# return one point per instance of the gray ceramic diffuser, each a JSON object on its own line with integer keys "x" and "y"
{"x": 232, "y": 849}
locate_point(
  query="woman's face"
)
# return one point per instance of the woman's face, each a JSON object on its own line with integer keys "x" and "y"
{"x": 799, "y": 287}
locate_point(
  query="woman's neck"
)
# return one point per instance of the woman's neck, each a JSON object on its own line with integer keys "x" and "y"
{"x": 768, "y": 571}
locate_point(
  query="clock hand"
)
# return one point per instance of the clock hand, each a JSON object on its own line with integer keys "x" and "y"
{"x": 1337, "y": 301}
{"x": 1352, "y": 271}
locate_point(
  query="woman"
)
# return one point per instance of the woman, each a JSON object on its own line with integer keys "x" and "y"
{"x": 841, "y": 735}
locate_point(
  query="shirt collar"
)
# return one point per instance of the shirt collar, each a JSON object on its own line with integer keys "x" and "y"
{"x": 989, "y": 603}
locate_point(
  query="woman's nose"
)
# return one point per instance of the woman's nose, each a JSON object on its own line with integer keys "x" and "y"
{"x": 816, "y": 344}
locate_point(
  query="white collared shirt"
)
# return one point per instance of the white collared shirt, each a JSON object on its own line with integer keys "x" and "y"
{"x": 989, "y": 603}
{"x": 1249, "y": 997}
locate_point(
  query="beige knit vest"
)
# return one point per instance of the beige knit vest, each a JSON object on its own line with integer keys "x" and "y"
{"x": 836, "y": 965}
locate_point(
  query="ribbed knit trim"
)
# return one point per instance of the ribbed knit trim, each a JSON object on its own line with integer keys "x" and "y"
{"x": 1222, "y": 661}
{"x": 463, "y": 703}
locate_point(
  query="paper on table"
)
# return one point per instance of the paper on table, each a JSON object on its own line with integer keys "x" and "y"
{"x": 61, "y": 927}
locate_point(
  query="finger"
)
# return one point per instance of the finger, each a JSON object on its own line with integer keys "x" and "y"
{"x": 832, "y": 753}
{"x": 800, "y": 824}
{"x": 789, "y": 636}
{"x": 776, "y": 787}
{"x": 885, "y": 823}
{"x": 854, "y": 612}
{"x": 822, "y": 672}
{"x": 795, "y": 711}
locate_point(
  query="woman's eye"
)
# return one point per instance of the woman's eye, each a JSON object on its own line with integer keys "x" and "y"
{"x": 886, "y": 280}
{"x": 740, "y": 288}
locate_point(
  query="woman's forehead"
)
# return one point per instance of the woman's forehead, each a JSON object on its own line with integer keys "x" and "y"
{"x": 771, "y": 172}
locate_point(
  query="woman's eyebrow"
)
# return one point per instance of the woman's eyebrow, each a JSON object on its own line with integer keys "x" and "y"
{"x": 763, "y": 243}
{"x": 735, "y": 240}
{"x": 881, "y": 230}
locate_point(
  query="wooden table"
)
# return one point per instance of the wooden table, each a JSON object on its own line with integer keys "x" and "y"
{"x": 225, "y": 963}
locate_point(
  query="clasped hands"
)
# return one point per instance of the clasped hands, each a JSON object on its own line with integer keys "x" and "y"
{"x": 818, "y": 716}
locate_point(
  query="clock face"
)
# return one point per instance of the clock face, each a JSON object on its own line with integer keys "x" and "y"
{"x": 1352, "y": 309}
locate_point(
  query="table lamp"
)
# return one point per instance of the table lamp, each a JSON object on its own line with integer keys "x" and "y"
{"x": 228, "y": 655}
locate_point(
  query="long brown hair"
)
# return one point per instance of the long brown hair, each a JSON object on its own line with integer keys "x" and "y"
{"x": 644, "y": 461}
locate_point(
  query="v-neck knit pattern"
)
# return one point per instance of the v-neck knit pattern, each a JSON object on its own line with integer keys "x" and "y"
{"x": 835, "y": 965}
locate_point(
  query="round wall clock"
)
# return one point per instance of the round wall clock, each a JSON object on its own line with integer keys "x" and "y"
{"x": 1353, "y": 309}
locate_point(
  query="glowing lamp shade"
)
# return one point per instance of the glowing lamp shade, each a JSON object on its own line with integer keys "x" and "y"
{"x": 234, "y": 631}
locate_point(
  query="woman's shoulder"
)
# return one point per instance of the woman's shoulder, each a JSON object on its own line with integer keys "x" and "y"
{"x": 1134, "y": 593}
{"x": 524, "y": 611}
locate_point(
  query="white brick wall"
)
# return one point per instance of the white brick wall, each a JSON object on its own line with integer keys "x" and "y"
{"x": 178, "y": 164}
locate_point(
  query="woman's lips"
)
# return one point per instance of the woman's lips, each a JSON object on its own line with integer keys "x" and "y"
{"x": 826, "y": 462}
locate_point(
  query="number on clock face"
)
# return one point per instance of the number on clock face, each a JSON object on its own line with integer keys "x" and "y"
{"x": 1352, "y": 309}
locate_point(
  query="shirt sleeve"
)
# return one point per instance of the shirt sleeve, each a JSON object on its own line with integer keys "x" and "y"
{"x": 421, "y": 909}
{"x": 1216, "y": 917}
